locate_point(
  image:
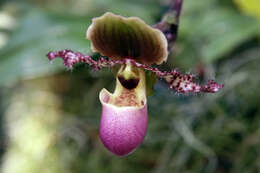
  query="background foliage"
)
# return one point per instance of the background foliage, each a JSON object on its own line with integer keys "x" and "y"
{"x": 50, "y": 116}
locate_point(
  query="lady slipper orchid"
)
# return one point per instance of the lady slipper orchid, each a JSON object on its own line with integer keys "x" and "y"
{"x": 134, "y": 46}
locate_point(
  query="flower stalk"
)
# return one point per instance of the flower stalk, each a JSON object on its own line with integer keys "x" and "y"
{"x": 170, "y": 22}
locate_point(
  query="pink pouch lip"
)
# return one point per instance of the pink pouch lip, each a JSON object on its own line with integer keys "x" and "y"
{"x": 122, "y": 129}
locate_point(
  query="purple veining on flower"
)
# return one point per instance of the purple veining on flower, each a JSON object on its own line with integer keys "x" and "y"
{"x": 134, "y": 46}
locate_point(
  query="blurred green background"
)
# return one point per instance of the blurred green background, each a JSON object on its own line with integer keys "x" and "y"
{"x": 49, "y": 116}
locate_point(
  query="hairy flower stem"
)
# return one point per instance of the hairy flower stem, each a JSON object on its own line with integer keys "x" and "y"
{"x": 182, "y": 83}
{"x": 170, "y": 21}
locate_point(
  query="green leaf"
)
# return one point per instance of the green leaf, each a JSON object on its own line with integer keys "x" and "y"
{"x": 25, "y": 54}
{"x": 213, "y": 32}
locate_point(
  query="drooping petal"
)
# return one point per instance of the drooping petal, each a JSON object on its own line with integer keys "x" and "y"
{"x": 119, "y": 37}
{"x": 182, "y": 83}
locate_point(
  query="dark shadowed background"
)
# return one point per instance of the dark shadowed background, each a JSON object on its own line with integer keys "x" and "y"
{"x": 49, "y": 116}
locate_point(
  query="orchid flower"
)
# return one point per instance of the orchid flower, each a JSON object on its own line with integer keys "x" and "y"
{"x": 134, "y": 46}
